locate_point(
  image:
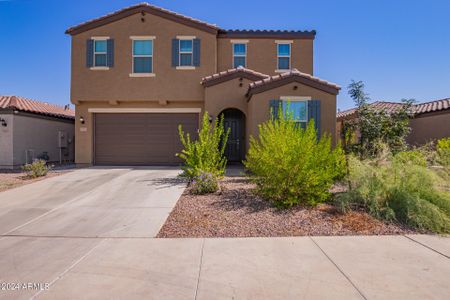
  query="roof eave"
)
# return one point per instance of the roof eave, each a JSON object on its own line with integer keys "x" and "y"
{"x": 140, "y": 9}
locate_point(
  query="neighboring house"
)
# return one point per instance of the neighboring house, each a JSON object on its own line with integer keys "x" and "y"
{"x": 31, "y": 129}
{"x": 430, "y": 121}
{"x": 139, "y": 72}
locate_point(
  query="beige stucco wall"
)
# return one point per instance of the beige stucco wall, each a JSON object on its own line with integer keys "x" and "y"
{"x": 116, "y": 84}
{"x": 262, "y": 55}
{"x": 228, "y": 94}
{"x": 84, "y": 147}
{"x": 259, "y": 109}
{"x": 40, "y": 135}
{"x": 428, "y": 127}
{"x": 6, "y": 142}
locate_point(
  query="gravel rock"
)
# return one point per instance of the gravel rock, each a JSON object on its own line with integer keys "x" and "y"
{"x": 236, "y": 211}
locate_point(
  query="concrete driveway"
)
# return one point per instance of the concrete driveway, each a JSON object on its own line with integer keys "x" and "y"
{"x": 93, "y": 202}
{"x": 88, "y": 235}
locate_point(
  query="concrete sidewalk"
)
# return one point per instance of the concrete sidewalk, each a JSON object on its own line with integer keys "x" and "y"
{"x": 351, "y": 267}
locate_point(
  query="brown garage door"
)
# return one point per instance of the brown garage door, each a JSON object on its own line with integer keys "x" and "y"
{"x": 140, "y": 139}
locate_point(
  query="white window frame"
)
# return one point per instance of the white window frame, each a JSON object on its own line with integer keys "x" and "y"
{"x": 142, "y": 38}
{"x": 95, "y": 39}
{"x": 291, "y": 99}
{"x": 278, "y": 70}
{"x": 234, "y": 42}
{"x": 185, "y": 38}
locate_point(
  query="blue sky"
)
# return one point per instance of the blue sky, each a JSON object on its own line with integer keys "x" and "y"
{"x": 400, "y": 49}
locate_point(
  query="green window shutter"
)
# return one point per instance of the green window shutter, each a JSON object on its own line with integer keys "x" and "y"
{"x": 175, "y": 52}
{"x": 314, "y": 113}
{"x": 110, "y": 53}
{"x": 196, "y": 52}
{"x": 274, "y": 108}
{"x": 89, "y": 53}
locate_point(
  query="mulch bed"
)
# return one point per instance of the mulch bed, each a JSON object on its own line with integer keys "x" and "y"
{"x": 236, "y": 211}
{"x": 13, "y": 179}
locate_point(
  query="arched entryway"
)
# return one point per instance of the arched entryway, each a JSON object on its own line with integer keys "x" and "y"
{"x": 235, "y": 148}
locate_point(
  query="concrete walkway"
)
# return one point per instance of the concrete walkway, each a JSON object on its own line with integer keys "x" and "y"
{"x": 378, "y": 267}
{"x": 88, "y": 235}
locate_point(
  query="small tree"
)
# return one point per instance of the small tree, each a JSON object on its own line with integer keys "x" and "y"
{"x": 375, "y": 127}
{"x": 205, "y": 154}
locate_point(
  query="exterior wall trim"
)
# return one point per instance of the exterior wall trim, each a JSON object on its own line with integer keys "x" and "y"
{"x": 145, "y": 110}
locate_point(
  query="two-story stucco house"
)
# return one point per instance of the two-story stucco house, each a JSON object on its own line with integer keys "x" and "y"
{"x": 141, "y": 71}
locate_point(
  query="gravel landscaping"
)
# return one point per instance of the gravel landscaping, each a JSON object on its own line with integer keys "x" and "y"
{"x": 236, "y": 212}
{"x": 13, "y": 179}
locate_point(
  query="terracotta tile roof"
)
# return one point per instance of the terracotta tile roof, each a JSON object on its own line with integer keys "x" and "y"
{"x": 130, "y": 10}
{"x": 266, "y": 33}
{"x": 145, "y": 7}
{"x": 231, "y": 74}
{"x": 391, "y": 107}
{"x": 291, "y": 76}
{"x": 432, "y": 106}
{"x": 33, "y": 106}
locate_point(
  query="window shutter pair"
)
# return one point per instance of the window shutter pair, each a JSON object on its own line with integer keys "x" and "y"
{"x": 176, "y": 52}
{"x": 109, "y": 53}
{"x": 313, "y": 112}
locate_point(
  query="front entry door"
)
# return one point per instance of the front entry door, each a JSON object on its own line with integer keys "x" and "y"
{"x": 234, "y": 149}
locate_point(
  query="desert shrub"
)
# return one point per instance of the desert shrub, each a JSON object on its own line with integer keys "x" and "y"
{"x": 204, "y": 183}
{"x": 443, "y": 152}
{"x": 205, "y": 154}
{"x": 290, "y": 165}
{"x": 413, "y": 157}
{"x": 401, "y": 188}
{"x": 36, "y": 169}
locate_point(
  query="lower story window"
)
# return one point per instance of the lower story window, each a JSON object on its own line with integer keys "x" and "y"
{"x": 142, "y": 56}
{"x": 298, "y": 110}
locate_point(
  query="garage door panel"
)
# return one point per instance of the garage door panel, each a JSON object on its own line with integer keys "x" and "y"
{"x": 140, "y": 139}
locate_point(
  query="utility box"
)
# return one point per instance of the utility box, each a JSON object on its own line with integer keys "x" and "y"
{"x": 62, "y": 139}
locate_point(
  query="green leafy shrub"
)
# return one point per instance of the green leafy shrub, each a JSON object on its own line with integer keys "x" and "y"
{"x": 443, "y": 152}
{"x": 204, "y": 183}
{"x": 36, "y": 169}
{"x": 400, "y": 188}
{"x": 205, "y": 154}
{"x": 290, "y": 165}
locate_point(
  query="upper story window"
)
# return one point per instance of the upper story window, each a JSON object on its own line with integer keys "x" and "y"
{"x": 283, "y": 55}
{"x": 142, "y": 56}
{"x": 186, "y": 52}
{"x": 239, "y": 55}
{"x": 100, "y": 53}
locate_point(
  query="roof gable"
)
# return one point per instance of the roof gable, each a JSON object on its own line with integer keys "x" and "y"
{"x": 230, "y": 74}
{"x": 292, "y": 76}
{"x": 142, "y": 8}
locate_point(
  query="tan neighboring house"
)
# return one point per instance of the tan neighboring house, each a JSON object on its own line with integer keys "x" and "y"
{"x": 430, "y": 121}
{"x": 139, "y": 72}
{"x": 32, "y": 129}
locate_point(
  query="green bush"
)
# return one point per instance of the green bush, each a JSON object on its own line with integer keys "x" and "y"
{"x": 204, "y": 183}
{"x": 290, "y": 165}
{"x": 443, "y": 152}
{"x": 400, "y": 188}
{"x": 205, "y": 154}
{"x": 36, "y": 169}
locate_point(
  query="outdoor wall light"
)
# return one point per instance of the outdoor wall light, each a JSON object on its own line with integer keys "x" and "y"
{"x": 81, "y": 120}
{"x": 210, "y": 119}
{"x": 3, "y": 122}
